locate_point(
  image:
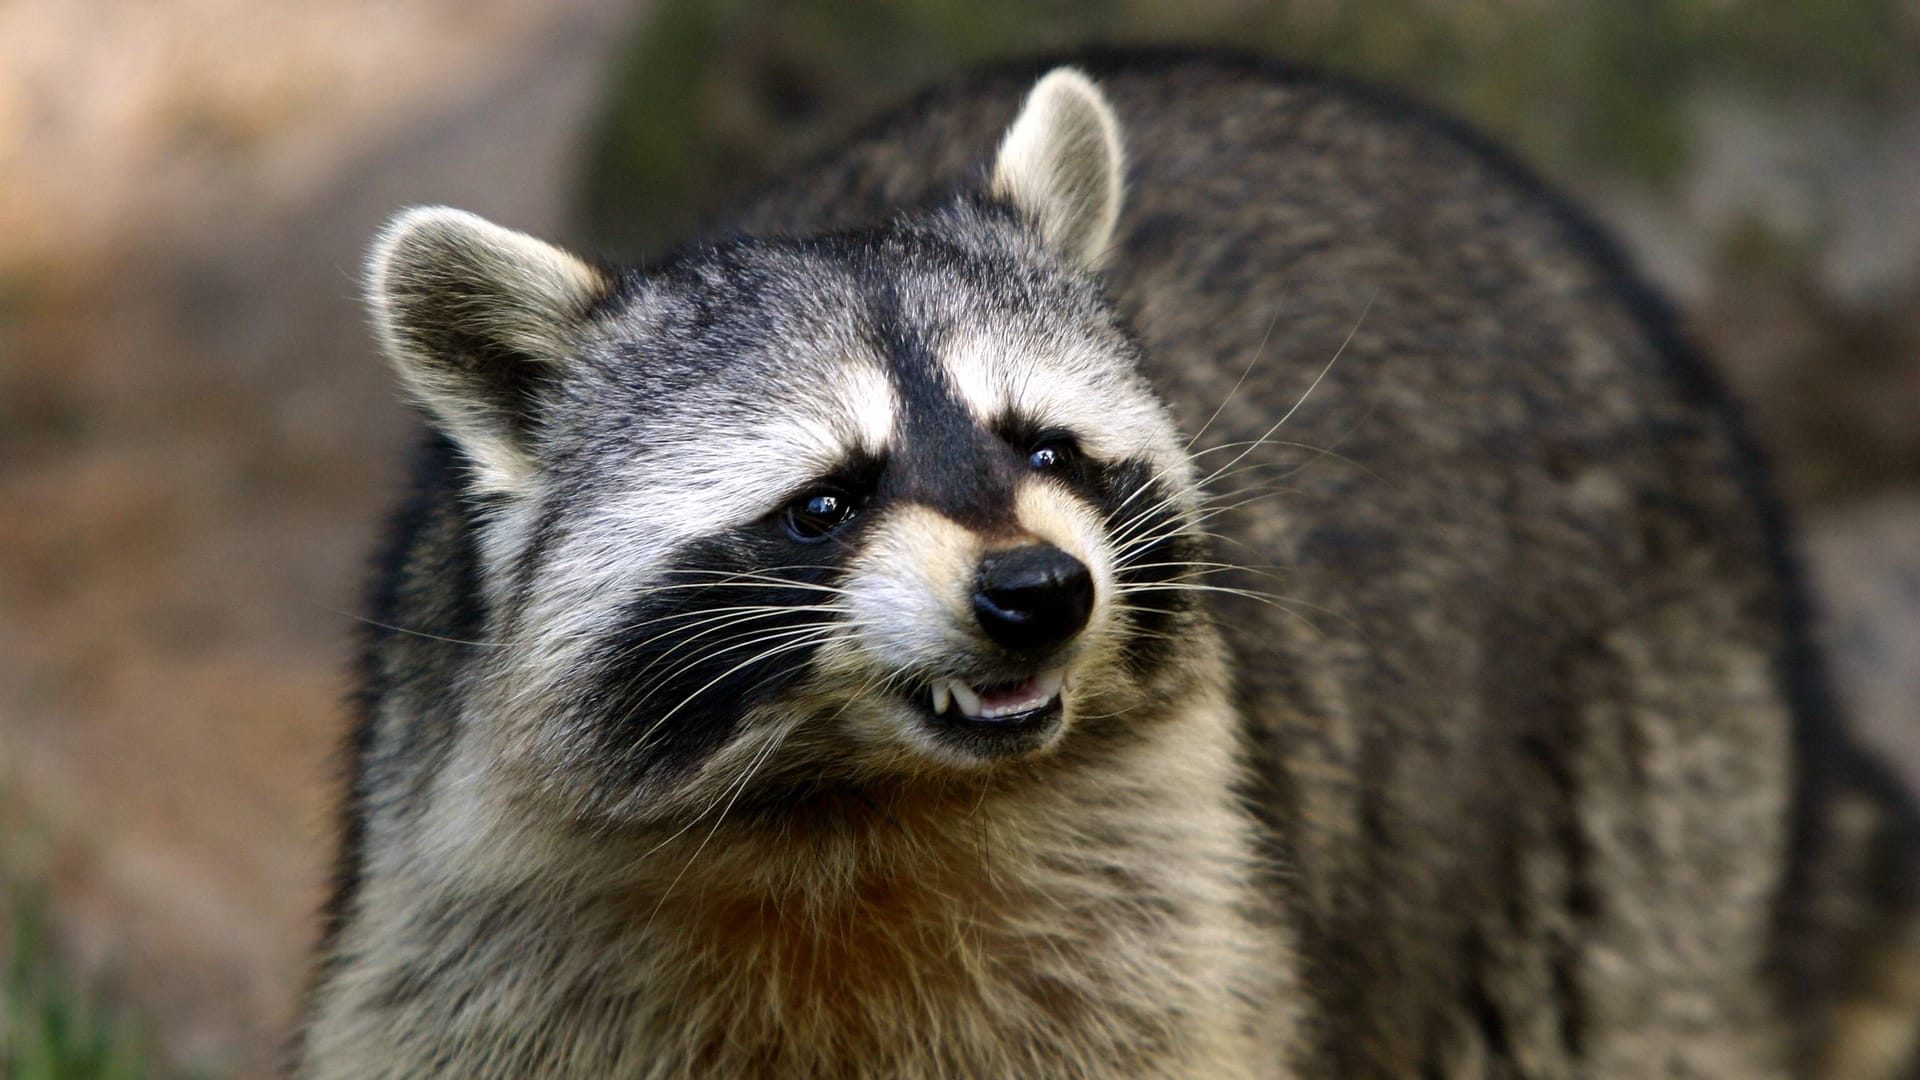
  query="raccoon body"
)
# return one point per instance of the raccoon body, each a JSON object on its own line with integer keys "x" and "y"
{"x": 1274, "y": 602}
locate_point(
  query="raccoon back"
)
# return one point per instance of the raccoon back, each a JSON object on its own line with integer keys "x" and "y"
{"x": 1519, "y": 644}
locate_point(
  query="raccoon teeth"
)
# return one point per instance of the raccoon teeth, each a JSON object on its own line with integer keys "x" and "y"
{"x": 1047, "y": 686}
{"x": 998, "y": 704}
{"x": 964, "y": 696}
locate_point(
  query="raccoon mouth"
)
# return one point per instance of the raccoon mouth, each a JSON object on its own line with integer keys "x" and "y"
{"x": 1008, "y": 704}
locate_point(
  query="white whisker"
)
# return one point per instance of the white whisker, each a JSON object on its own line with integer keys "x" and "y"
{"x": 785, "y": 647}
{"x": 1251, "y": 364}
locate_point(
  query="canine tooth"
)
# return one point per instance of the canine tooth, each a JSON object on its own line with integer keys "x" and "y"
{"x": 1049, "y": 683}
{"x": 942, "y": 697}
{"x": 968, "y": 700}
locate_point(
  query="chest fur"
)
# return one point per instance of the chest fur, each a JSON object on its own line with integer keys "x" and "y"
{"x": 974, "y": 963}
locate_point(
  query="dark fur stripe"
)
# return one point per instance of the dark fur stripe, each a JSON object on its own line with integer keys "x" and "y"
{"x": 1159, "y": 548}
{"x": 674, "y": 685}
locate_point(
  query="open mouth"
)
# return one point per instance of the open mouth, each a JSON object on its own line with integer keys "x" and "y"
{"x": 1008, "y": 704}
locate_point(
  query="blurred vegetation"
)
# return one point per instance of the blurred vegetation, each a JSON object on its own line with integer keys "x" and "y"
{"x": 52, "y": 1025}
{"x": 49, "y": 1028}
{"x": 711, "y": 94}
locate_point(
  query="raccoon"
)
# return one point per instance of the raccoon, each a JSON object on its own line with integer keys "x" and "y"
{"x": 1275, "y": 601}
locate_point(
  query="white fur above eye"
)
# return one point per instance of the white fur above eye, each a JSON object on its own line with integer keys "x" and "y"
{"x": 1061, "y": 165}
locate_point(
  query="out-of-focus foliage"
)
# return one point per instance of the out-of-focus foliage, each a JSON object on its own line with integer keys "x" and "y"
{"x": 49, "y": 1028}
{"x": 712, "y": 92}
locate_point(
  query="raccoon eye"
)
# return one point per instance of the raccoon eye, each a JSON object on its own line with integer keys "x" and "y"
{"x": 814, "y": 515}
{"x": 1053, "y": 455}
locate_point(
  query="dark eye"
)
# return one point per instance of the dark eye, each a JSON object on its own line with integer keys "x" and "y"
{"x": 814, "y": 515}
{"x": 1053, "y": 455}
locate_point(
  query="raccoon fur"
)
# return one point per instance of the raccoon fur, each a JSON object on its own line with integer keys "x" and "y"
{"x": 1275, "y": 601}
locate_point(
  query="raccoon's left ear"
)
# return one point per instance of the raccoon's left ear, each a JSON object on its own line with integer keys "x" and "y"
{"x": 476, "y": 320}
{"x": 1061, "y": 166}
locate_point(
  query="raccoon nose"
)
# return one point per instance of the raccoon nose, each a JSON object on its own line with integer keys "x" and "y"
{"x": 1032, "y": 598}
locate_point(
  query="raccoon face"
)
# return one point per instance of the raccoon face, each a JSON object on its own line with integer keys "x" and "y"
{"x": 789, "y": 514}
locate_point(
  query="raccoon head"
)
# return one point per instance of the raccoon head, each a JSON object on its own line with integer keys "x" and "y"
{"x": 890, "y": 505}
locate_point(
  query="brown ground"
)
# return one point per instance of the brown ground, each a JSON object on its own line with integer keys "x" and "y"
{"x": 196, "y": 444}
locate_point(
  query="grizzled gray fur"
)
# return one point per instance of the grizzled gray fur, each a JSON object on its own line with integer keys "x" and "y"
{"x": 1200, "y": 571}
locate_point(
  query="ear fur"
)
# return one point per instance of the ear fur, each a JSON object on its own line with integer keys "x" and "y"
{"x": 473, "y": 317}
{"x": 1061, "y": 165}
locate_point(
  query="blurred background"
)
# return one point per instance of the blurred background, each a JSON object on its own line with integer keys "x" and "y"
{"x": 197, "y": 443}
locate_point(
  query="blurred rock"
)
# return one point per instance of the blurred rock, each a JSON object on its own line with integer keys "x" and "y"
{"x": 1865, "y": 565}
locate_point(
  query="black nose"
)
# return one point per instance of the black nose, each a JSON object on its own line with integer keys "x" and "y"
{"x": 1032, "y": 598}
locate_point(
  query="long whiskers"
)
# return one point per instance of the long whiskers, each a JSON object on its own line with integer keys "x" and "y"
{"x": 1241, "y": 381}
{"x": 1314, "y": 385}
{"x": 791, "y": 639}
{"x": 732, "y": 795}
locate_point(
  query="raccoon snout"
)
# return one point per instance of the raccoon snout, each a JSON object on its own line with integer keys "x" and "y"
{"x": 1032, "y": 598}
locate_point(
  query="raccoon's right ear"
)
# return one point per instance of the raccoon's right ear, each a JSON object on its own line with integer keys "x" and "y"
{"x": 1061, "y": 166}
{"x": 473, "y": 318}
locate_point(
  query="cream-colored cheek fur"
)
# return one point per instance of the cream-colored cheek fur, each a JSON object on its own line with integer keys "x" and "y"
{"x": 1047, "y": 512}
{"x": 910, "y": 602}
{"x": 909, "y": 592}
